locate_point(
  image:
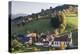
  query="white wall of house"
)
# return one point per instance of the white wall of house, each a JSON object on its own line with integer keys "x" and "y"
{"x": 40, "y": 16}
{"x": 30, "y": 18}
{"x": 58, "y": 43}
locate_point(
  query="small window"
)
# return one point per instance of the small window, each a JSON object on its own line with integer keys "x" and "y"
{"x": 57, "y": 43}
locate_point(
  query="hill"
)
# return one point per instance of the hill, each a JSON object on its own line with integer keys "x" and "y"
{"x": 43, "y": 25}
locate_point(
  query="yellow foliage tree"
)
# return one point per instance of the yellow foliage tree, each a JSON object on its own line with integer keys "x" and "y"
{"x": 62, "y": 18}
{"x": 64, "y": 23}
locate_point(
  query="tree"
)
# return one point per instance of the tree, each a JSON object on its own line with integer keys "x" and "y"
{"x": 16, "y": 45}
{"x": 59, "y": 22}
{"x": 51, "y": 8}
{"x": 35, "y": 16}
{"x": 42, "y": 10}
{"x": 55, "y": 22}
{"x": 64, "y": 23}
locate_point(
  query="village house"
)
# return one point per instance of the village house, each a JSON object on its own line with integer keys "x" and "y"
{"x": 41, "y": 16}
{"x": 63, "y": 40}
{"x": 60, "y": 42}
{"x": 28, "y": 18}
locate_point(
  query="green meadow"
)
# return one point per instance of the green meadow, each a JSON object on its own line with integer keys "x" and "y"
{"x": 43, "y": 25}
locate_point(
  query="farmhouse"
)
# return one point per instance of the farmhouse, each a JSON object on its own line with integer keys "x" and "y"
{"x": 63, "y": 41}
{"x": 29, "y": 17}
{"x": 59, "y": 41}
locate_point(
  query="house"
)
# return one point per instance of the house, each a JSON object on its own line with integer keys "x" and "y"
{"x": 30, "y": 18}
{"x": 44, "y": 14}
{"x": 61, "y": 42}
{"x": 26, "y": 18}
{"x": 22, "y": 38}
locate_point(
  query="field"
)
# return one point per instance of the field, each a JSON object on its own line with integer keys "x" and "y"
{"x": 73, "y": 21}
{"x": 43, "y": 25}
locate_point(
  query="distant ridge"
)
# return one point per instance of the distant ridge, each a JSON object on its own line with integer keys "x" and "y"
{"x": 17, "y": 15}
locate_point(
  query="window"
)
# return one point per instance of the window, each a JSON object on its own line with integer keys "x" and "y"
{"x": 57, "y": 42}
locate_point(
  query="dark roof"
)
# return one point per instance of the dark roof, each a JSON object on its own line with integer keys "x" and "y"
{"x": 23, "y": 38}
{"x": 62, "y": 38}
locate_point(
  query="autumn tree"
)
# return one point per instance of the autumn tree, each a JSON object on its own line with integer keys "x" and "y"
{"x": 59, "y": 22}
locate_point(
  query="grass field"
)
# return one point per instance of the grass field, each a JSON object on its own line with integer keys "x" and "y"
{"x": 73, "y": 21}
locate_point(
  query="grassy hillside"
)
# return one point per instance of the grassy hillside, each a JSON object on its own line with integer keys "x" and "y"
{"x": 43, "y": 25}
{"x": 73, "y": 21}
